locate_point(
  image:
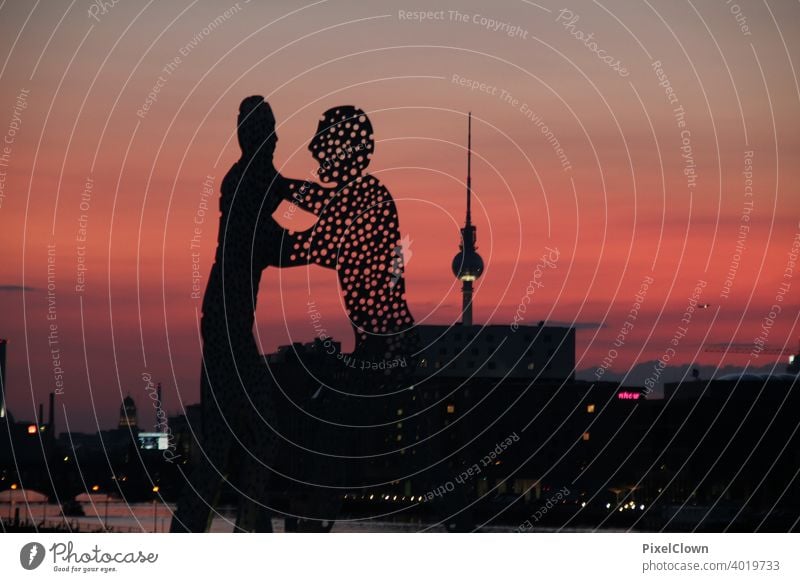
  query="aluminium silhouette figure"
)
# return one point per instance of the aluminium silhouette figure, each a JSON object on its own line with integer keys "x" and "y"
{"x": 238, "y": 413}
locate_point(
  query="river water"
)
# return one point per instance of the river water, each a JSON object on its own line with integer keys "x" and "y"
{"x": 124, "y": 517}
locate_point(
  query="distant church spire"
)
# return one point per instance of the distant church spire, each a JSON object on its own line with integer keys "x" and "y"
{"x": 468, "y": 264}
{"x": 127, "y": 413}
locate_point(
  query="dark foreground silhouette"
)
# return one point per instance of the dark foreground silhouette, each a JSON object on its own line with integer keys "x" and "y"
{"x": 357, "y": 234}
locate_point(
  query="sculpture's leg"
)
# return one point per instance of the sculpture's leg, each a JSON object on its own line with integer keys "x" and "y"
{"x": 259, "y": 450}
{"x": 201, "y": 492}
{"x": 195, "y": 504}
{"x": 203, "y": 485}
{"x": 252, "y": 514}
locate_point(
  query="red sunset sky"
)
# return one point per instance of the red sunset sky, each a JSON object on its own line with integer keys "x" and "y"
{"x": 623, "y": 210}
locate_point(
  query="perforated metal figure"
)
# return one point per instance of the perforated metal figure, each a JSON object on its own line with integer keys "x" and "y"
{"x": 357, "y": 234}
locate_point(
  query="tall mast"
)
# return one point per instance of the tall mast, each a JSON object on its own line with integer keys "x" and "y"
{"x": 469, "y": 170}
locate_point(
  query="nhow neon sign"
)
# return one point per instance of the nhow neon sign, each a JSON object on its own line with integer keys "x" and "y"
{"x": 626, "y": 395}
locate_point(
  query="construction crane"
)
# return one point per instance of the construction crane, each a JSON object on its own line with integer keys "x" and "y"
{"x": 747, "y": 348}
{"x": 794, "y": 355}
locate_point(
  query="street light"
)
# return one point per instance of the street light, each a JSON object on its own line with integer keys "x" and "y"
{"x": 11, "y": 502}
{"x": 105, "y": 514}
{"x": 155, "y": 507}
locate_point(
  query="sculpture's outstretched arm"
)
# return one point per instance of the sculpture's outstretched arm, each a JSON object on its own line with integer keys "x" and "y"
{"x": 307, "y": 195}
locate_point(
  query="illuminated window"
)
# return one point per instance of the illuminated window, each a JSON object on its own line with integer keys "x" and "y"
{"x": 586, "y": 436}
{"x": 31, "y": 429}
{"x": 451, "y": 409}
{"x": 590, "y": 409}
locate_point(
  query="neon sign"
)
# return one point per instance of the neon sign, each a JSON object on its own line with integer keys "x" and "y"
{"x": 629, "y": 395}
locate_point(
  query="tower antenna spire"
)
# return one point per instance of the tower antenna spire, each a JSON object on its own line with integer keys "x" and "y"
{"x": 469, "y": 170}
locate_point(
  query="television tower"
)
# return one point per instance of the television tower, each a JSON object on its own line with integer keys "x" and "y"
{"x": 468, "y": 264}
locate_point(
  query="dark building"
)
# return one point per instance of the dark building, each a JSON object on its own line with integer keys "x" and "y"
{"x": 731, "y": 449}
{"x": 497, "y": 351}
{"x": 186, "y": 429}
{"x": 3, "y": 346}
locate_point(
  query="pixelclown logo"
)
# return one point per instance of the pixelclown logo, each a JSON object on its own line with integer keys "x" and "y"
{"x": 31, "y": 555}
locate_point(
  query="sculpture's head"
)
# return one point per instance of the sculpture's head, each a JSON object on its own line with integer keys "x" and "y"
{"x": 343, "y": 144}
{"x": 256, "y": 127}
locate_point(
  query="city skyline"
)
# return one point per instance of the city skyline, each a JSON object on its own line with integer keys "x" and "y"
{"x": 106, "y": 180}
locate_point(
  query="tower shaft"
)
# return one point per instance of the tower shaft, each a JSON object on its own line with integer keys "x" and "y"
{"x": 466, "y": 306}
